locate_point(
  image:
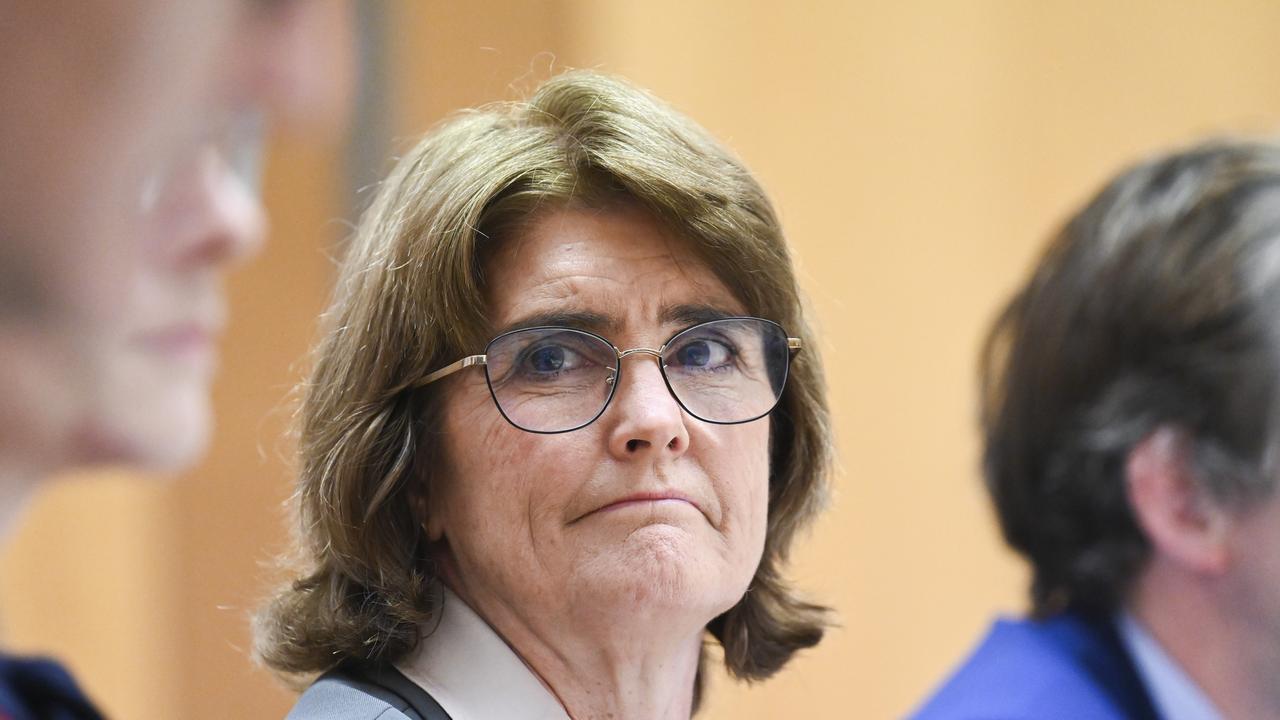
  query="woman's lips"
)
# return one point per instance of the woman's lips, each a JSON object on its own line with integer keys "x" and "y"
{"x": 643, "y": 499}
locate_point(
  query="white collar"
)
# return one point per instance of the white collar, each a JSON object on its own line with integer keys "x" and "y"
{"x": 1175, "y": 695}
{"x": 473, "y": 673}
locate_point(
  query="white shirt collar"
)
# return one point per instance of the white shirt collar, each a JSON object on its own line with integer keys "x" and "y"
{"x": 1175, "y": 695}
{"x": 473, "y": 673}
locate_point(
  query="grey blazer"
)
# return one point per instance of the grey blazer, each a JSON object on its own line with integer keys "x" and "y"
{"x": 330, "y": 699}
{"x": 354, "y": 692}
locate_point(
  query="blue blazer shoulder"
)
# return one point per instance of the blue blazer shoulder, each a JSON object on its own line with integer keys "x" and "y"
{"x": 1068, "y": 667}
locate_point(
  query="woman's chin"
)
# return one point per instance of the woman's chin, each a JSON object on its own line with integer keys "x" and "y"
{"x": 659, "y": 568}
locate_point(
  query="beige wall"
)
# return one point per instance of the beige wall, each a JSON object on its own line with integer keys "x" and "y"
{"x": 918, "y": 153}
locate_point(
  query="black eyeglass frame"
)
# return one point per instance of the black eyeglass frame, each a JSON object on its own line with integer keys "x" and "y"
{"x": 794, "y": 345}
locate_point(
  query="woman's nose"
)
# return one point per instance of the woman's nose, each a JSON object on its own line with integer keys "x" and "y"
{"x": 647, "y": 422}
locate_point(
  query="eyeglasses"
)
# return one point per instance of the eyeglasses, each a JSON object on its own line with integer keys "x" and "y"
{"x": 558, "y": 379}
{"x": 237, "y": 142}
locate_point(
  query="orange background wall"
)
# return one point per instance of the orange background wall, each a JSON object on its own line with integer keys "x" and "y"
{"x": 918, "y": 152}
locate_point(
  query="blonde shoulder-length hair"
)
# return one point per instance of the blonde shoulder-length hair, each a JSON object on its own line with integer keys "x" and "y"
{"x": 410, "y": 298}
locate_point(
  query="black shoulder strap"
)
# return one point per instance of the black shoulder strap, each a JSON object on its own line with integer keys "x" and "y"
{"x": 390, "y": 685}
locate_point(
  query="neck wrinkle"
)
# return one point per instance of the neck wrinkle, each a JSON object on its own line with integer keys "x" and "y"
{"x": 656, "y": 684}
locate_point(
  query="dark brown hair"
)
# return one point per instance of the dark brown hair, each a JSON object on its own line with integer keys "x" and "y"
{"x": 1154, "y": 306}
{"x": 410, "y": 299}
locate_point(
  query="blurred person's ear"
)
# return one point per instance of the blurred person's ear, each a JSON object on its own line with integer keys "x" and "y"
{"x": 1181, "y": 520}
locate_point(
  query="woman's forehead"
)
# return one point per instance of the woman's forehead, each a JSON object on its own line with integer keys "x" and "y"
{"x": 617, "y": 264}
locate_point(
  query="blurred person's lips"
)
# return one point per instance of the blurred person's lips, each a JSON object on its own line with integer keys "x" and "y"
{"x": 180, "y": 339}
{"x": 191, "y": 332}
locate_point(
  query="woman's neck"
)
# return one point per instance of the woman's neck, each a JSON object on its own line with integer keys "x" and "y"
{"x": 631, "y": 666}
{"x": 610, "y": 682}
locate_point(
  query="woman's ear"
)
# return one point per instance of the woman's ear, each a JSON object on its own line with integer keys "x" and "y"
{"x": 1181, "y": 520}
{"x": 429, "y": 513}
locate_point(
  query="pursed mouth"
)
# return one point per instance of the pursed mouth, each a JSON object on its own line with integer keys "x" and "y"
{"x": 638, "y": 500}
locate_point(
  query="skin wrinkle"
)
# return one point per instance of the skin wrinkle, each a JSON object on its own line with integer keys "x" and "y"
{"x": 670, "y": 323}
{"x": 481, "y": 403}
{"x": 701, "y": 504}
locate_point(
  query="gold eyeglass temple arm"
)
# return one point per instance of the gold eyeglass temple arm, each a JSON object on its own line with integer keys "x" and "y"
{"x": 794, "y": 343}
{"x": 452, "y": 368}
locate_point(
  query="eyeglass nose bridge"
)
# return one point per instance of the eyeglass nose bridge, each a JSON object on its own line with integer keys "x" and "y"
{"x": 647, "y": 351}
{"x": 657, "y": 354}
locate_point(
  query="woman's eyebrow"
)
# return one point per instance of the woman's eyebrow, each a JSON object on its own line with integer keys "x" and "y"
{"x": 685, "y": 314}
{"x": 690, "y": 314}
{"x": 561, "y": 318}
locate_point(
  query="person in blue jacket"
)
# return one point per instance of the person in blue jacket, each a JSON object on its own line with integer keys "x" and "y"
{"x": 1130, "y": 398}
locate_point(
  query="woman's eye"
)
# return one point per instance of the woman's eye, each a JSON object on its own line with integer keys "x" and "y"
{"x": 547, "y": 359}
{"x": 702, "y": 354}
{"x": 551, "y": 359}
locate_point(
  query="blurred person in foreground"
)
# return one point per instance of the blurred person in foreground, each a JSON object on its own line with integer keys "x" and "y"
{"x": 130, "y": 133}
{"x": 561, "y": 427}
{"x": 1130, "y": 419}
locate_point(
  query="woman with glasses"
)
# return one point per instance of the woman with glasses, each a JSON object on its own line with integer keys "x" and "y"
{"x": 566, "y": 421}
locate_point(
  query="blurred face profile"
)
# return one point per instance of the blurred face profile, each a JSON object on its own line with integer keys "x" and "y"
{"x": 96, "y": 94}
{"x": 100, "y": 97}
{"x": 646, "y": 508}
{"x": 150, "y": 407}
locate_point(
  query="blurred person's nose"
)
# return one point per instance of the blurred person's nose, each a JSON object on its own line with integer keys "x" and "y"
{"x": 228, "y": 221}
{"x": 205, "y": 213}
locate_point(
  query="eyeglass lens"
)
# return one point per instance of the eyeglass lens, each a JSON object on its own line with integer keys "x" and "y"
{"x": 236, "y": 143}
{"x": 558, "y": 379}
